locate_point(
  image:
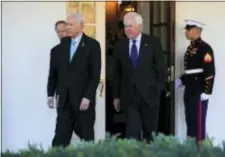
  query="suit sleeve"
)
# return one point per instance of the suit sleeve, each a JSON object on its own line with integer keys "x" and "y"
{"x": 95, "y": 71}
{"x": 116, "y": 72}
{"x": 208, "y": 66}
{"x": 52, "y": 77}
{"x": 159, "y": 63}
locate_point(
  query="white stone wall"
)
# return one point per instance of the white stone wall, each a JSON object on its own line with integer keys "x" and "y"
{"x": 27, "y": 37}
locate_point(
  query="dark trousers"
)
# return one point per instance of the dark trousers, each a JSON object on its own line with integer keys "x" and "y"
{"x": 141, "y": 116}
{"x": 195, "y": 114}
{"x": 70, "y": 119}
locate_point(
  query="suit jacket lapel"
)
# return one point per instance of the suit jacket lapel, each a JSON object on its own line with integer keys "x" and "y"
{"x": 127, "y": 52}
{"x": 142, "y": 44}
{"x": 141, "y": 50}
{"x": 79, "y": 49}
{"x": 66, "y": 49}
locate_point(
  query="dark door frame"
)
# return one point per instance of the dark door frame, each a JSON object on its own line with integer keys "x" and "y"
{"x": 171, "y": 43}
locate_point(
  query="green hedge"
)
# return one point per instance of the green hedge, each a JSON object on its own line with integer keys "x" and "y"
{"x": 162, "y": 146}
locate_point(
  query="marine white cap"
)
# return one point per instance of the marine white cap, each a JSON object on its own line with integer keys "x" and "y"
{"x": 191, "y": 22}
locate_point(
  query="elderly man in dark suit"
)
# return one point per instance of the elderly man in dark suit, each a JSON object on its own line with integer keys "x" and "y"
{"x": 76, "y": 67}
{"x": 138, "y": 78}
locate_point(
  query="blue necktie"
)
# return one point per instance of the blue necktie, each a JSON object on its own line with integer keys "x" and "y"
{"x": 72, "y": 49}
{"x": 134, "y": 53}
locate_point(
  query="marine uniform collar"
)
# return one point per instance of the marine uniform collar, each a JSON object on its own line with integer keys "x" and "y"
{"x": 196, "y": 41}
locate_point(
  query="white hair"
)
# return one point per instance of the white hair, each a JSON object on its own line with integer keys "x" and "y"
{"x": 137, "y": 17}
{"x": 78, "y": 17}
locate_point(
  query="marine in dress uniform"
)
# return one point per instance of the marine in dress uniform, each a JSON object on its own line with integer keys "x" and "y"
{"x": 198, "y": 79}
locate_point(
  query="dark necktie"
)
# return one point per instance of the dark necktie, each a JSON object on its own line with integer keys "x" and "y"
{"x": 134, "y": 53}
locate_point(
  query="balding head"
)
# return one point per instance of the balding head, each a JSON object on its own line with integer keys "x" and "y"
{"x": 75, "y": 24}
{"x": 133, "y": 23}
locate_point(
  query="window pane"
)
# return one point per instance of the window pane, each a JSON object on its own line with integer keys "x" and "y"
{"x": 163, "y": 11}
{"x": 156, "y": 32}
{"x": 164, "y": 37}
{"x": 162, "y": 33}
{"x": 156, "y": 12}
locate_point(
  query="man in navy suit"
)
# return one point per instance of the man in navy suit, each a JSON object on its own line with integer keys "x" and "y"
{"x": 138, "y": 78}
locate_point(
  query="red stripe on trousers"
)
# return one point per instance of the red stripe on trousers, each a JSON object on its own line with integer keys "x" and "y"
{"x": 200, "y": 122}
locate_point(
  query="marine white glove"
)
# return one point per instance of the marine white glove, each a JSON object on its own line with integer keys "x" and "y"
{"x": 205, "y": 96}
{"x": 178, "y": 83}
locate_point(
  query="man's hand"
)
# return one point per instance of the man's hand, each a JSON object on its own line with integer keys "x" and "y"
{"x": 178, "y": 83}
{"x": 116, "y": 104}
{"x": 204, "y": 96}
{"x": 51, "y": 102}
{"x": 84, "y": 104}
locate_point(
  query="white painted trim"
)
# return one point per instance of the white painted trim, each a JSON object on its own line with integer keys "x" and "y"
{"x": 100, "y": 104}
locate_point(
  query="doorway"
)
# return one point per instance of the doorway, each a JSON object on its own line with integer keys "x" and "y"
{"x": 162, "y": 25}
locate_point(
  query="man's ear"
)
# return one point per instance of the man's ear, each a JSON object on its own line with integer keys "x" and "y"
{"x": 198, "y": 29}
{"x": 140, "y": 27}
